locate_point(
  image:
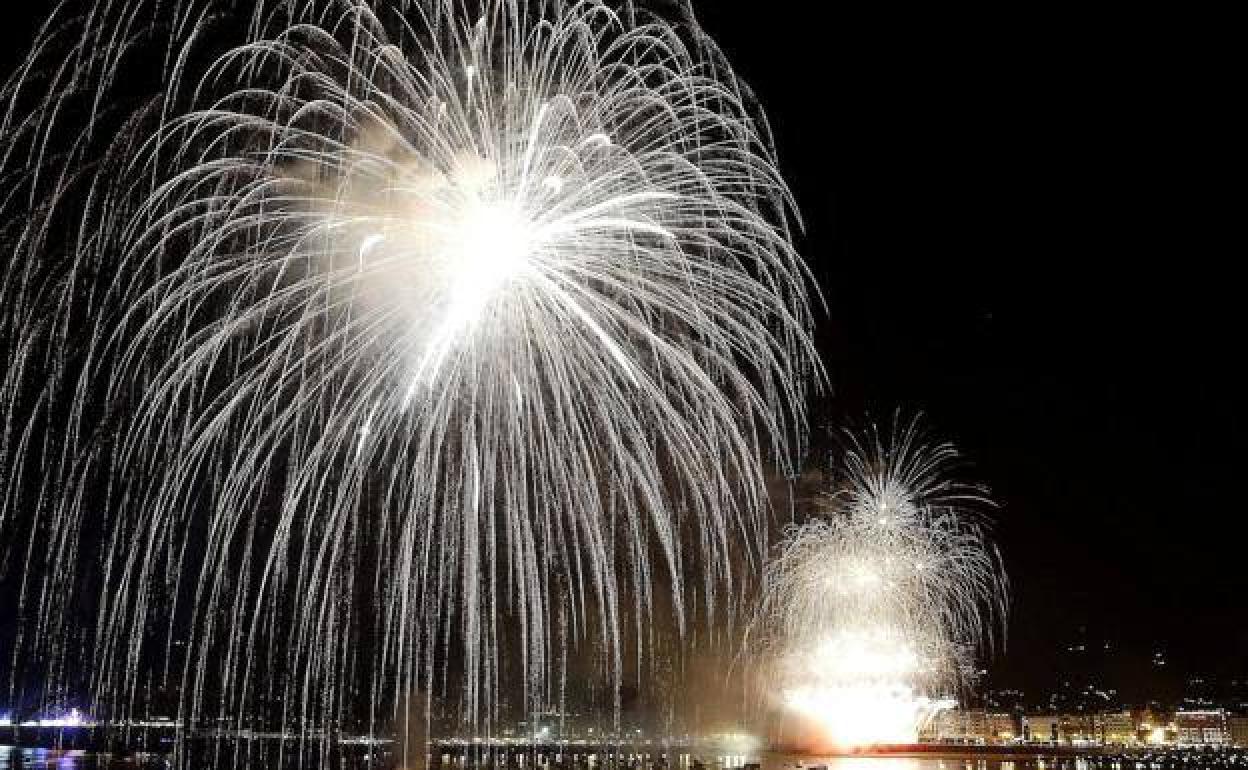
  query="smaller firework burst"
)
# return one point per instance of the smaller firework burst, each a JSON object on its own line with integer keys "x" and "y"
{"x": 875, "y": 608}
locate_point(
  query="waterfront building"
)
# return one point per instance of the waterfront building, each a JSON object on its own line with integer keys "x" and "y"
{"x": 951, "y": 726}
{"x": 1064, "y": 729}
{"x": 1040, "y": 728}
{"x": 970, "y": 726}
{"x": 946, "y": 726}
{"x": 1081, "y": 729}
{"x": 1205, "y": 727}
{"x": 1115, "y": 728}
{"x": 1155, "y": 728}
{"x": 1119, "y": 729}
{"x": 1238, "y": 729}
{"x": 1001, "y": 727}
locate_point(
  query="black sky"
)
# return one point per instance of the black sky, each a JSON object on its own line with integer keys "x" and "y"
{"x": 1019, "y": 219}
{"x": 1020, "y": 222}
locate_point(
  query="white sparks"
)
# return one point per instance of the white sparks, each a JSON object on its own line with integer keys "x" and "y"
{"x": 387, "y": 324}
{"x": 868, "y": 630}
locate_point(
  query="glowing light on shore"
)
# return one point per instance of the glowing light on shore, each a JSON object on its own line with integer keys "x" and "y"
{"x": 851, "y": 716}
{"x": 70, "y": 719}
{"x": 858, "y": 687}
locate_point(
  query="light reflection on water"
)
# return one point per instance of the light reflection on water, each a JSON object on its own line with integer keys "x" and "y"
{"x": 48, "y": 759}
{"x": 40, "y": 758}
{"x": 784, "y": 762}
{"x": 36, "y": 759}
{"x": 73, "y": 759}
{"x": 771, "y": 761}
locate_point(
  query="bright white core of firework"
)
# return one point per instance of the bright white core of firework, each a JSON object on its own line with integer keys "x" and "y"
{"x": 493, "y": 247}
{"x": 866, "y": 714}
{"x": 488, "y": 247}
{"x": 855, "y": 687}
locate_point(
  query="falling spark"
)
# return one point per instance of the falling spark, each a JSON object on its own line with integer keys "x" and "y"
{"x": 378, "y": 333}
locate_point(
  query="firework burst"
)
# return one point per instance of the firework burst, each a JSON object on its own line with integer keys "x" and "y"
{"x": 874, "y": 610}
{"x": 385, "y": 325}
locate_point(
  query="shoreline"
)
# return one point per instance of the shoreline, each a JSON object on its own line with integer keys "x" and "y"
{"x": 809, "y": 758}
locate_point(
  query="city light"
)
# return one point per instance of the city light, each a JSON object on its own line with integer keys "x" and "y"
{"x": 72, "y": 718}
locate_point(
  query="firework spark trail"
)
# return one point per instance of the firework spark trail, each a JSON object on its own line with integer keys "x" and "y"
{"x": 873, "y": 611}
{"x": 392, "y": 321}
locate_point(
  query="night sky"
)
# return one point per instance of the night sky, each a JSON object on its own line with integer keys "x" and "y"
{"x": 1018, "y": 221}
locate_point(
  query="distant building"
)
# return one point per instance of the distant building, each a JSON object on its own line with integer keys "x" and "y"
{"x": 1155, "y": 728}
{"x": 948, "y": 726}
{"x": 1082, "y": 729}
{"x": 970, "y": 726}
{"x": 1064, "y": 729}
{"x": 1201, "y": 728}
{"x": 1119, "y": 729}
{"x": 1039, "y": 728}
{"x": 1238, "y": 728}
{"x": 1001, "y": 727}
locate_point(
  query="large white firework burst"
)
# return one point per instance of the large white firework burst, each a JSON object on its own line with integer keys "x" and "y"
{"x": 392, "y": 326}
{"x": 874, "y": 610}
